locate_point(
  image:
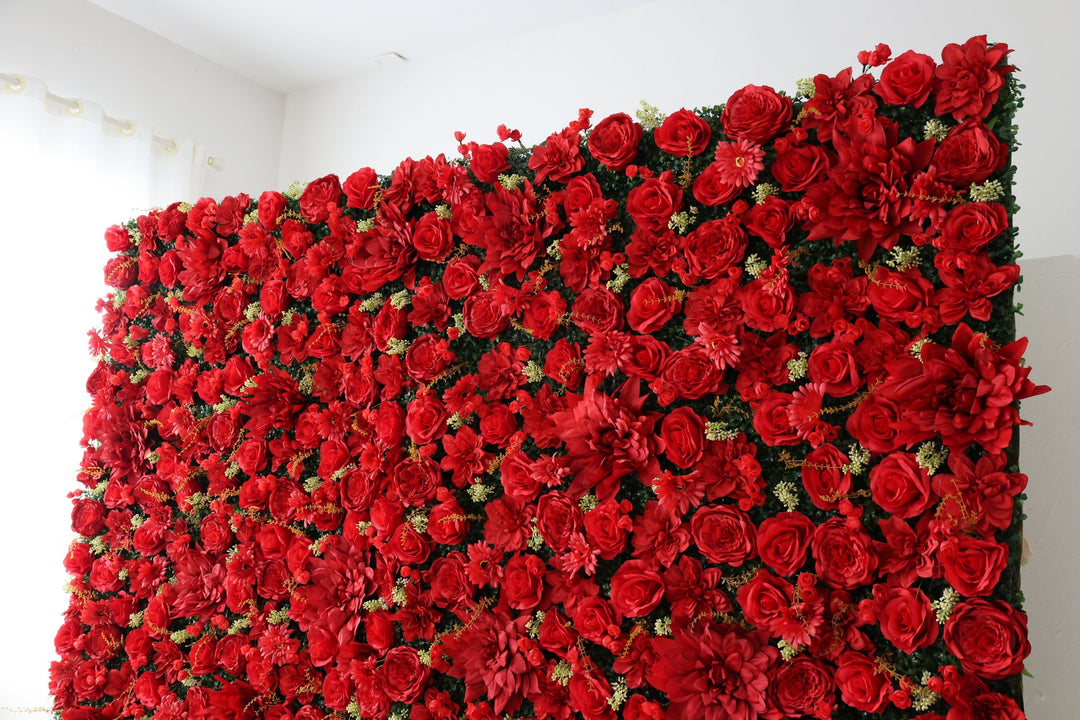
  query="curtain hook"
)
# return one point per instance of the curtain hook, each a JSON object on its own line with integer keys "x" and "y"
{"x": 15, "y": 84}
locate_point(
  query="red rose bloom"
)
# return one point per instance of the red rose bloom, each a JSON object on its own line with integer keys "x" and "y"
{"x": 710, "y": 188}
{"x": 900, "y": 487}
{"x": 360, "y": 189}
{"x": 973, "y": 566}
{"x": 683, "y": 134}
{"x": 970, "y": 227}
{"x": 797, "y": 165}
{"x": 683, "y": 433}
{"x": 319, "y": 197}
{"x": 652, "y": 203}
{"x": 652, "y": 304}
{"x": 614, "y": 141}
{"x": 905, "y": 616}
{"x": 907, "y": 80}
{"x": 756, "y": 114}
{"x": 783, "y": 541}
{"x": 488, "y": 161}
{"x": 989, "y": 637}
{"x": 636, "y": 589}
{"x": 862, "y": 685}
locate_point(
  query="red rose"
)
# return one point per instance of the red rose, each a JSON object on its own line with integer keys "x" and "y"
{"x": 543, "y": 314}
{"x": 607, "y": 527}
{"x": 876, "y": 423}
{"x": 652, "y": 304}
{"x": 683, "y": 134}
{"x": 559, "y": 158}
{"x": 801, "y": 686}
{"x": 319, "y": 196}
{"x": 614, "y": 141}
{"x": 834, "y": 366}
{"x": 558, "y": 518}
{"x": 989, "y": 637}
{"x": 970, "y": 153}
{"x": 900, "y": 487}
{"x": 783, "y": 541}
{"x": 845, "y": 558}
{"x": 636, "y": 589}
{"x": 488, "y": 161}
{"x": 768, "y": 305}
{"x": 652, "y": 203}
{"x": 798, "y": 166}
{"x": 905, "y": 616}
{"x": 88, "y": 517}
{"x": 970, "y": 78}
{"x": 907, "y": 80}
{"x": 973, "y": 566}
{"x": 523, "y": 581}
{"x": 432, "y": 238}
{"x": 461, "y": 279}
{"x": 361, "y": 189}
{"x": 121, "y": 272}
{"x": 773, "y": 422}
{"x": 970, "y": 227}
{"x": 723, "y": 534}
{"x": 683, "y": 433}
{"x": 900, "y": 296}
{"x": 271, "y": 207}
{"x": 597, "y": 622}
{"x": 564, "y": 365}
{"x": 862, "y": 684}
{"x": 216, "y": 533}
{"x": 425, "y": 419}
{"x": 404, "y": 676}
{"x": 710, "y": 188}
{"x": 643, "y": 357}
{"x": 485, "y": 315}
{"x": 756, "y": 114}
{"x": 770, "y": 221}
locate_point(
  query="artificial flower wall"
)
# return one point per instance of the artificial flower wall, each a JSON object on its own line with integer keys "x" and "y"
{"x": 706, "y": 415}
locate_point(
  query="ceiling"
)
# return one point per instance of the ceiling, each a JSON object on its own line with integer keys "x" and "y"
{"x": 288, "y": 45}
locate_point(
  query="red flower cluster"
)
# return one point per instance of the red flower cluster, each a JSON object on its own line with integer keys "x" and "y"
{"x": 598, "y": 430}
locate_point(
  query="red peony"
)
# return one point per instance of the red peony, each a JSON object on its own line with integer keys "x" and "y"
{"x": 989, "y": 637}
{"x": 756, "y": 114}
{"x": 614, "y": 141}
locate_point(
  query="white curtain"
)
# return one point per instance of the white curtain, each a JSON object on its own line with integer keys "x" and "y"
{"x": 67, "y": 172}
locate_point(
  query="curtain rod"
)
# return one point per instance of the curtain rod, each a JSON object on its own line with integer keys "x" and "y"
{"x": 126, "y": 128}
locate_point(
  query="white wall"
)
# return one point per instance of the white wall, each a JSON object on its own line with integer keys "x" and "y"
{"x": 82, "y": 51}
{"x": 676, "y": 53}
